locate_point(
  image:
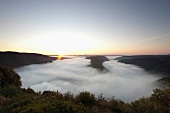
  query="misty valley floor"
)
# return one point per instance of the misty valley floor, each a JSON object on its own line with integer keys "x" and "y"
{"x": 125, "y": 82}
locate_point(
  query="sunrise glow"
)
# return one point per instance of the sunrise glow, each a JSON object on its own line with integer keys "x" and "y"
{"x": 72, "y": 27}
{"x": 59, "y": 57}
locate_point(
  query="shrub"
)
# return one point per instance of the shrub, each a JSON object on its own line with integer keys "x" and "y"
{"x": 9, "y": 77}
{"x": 86, "y": 98}
{"x": 10, "y": 91}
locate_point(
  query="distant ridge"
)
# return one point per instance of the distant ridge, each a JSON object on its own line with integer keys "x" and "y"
{"x": 153, "y": 63}
{"x": 16, "y": 59}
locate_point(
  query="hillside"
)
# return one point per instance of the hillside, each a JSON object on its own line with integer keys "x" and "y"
{"x": 152, "y": 63}
{"x": 15, "y": 59}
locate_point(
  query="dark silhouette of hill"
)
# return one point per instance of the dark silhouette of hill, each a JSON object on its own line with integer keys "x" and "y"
{"x": 152, "y": 63}
{"x": 15, "y": 59}
{"x": 97, "y": 62}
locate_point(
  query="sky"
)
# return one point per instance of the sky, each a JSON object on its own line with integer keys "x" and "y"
{"x": 85, "y": 26}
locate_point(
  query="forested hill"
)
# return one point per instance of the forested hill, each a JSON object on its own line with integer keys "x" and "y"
{"x": 153, "y": 63}
{"x": 15, "y": 59}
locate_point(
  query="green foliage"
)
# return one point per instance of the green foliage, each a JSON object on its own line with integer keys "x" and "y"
{"x": 3, "y": 101}
{"x": 27, "y": 101}
{"x": 68, "y": 96}
{"x": 10, "y": 91}
{"x": 17, "y": 106}
{"x": 161, "y": 99}
{"x": 9, "y": 77}
{"x": 28, "y": 90}
{"x": 143, "y": 105}
{"x": 117, "y": 106}
{"x": 159, "y": 102}
{"x": 60, "y": 107}
{"x": 86, "y": 98}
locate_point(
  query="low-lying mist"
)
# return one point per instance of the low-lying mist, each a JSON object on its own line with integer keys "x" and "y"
{"x": 125, "y": 82}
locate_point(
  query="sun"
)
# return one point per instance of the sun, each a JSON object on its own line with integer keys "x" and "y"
{"x": 60, "y": 55}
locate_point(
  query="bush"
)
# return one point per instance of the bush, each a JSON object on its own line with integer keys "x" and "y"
{"x": 10, "y": 91}
{"x": 161, "y": 99}
{"x": 9, "y": 77}
{"x": 86, "y": 98}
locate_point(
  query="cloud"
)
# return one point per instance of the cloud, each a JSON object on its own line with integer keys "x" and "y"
{"x": 125, "y": 82}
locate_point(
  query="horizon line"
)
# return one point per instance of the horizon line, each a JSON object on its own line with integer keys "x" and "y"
{"x": 86, "y": 54}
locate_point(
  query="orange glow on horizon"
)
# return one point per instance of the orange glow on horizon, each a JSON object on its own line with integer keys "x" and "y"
{"x": 59, "y": 57}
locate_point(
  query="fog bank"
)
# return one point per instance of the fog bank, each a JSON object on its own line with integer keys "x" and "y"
{"x": 125, "y": 82}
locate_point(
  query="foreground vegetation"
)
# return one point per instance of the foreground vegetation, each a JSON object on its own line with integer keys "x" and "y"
{"x": 14, "y": 99}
